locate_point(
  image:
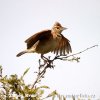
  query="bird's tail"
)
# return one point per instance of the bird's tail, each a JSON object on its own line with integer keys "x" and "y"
{"x": 21, "y": 53}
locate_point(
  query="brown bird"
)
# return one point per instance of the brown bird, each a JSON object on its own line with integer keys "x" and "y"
{"x": 48, "y": 41}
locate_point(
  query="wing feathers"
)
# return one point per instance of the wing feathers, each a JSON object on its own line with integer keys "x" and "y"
{"x": 63, "y": 47}
{"x": 38, "y": 36}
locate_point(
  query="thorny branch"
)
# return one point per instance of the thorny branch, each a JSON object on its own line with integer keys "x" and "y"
{"x": 47, "y": 63}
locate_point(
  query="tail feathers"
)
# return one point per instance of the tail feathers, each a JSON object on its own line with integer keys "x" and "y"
{"x": 21, "y": 53}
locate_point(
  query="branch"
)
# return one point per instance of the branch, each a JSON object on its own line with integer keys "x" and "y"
{"x": 47, "y": 63}
{"x": 72, "y": 55}
{"x": 81, "y": 51}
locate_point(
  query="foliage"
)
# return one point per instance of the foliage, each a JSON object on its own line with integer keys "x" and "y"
{"x": 14, "y": 88}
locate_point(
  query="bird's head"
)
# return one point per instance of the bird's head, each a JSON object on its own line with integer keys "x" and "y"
{"x": 58, "y": 28}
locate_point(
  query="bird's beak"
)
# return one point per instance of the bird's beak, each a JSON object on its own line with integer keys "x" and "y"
{"x": 64, "y": 28}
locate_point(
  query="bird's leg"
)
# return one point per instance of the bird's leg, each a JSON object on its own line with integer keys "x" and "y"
{"x": 43, "y": 57}
{"x": 47, "y": 61}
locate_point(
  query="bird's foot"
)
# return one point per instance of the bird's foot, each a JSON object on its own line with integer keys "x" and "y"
{"x": 47, "y": 62}
{"x": 44, "y": 59}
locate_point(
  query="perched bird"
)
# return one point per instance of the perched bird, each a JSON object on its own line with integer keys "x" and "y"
{"x": 48, "y": 41}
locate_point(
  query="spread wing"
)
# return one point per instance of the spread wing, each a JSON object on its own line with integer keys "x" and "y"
{"x": 38, "y": 36}
{"x": 63, "y": 47}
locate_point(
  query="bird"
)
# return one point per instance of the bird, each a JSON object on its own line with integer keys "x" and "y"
{"x": 48, "y": 40}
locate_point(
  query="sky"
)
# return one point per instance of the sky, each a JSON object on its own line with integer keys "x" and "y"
{"x": 19, "y": 19}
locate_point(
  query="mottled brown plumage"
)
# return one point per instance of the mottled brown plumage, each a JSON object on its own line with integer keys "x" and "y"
{"x": 48, "y": 41}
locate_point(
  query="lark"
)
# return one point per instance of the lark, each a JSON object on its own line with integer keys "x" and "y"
{"x": 50, "y": 40}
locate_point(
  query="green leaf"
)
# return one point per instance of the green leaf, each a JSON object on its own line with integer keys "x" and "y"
{"x": 46, "y": 87}
{"x": 54, "y": 93}
{"x": 26, "y": 71}
{"x": 53, "y": 97}
{"x": 40, "y": 92}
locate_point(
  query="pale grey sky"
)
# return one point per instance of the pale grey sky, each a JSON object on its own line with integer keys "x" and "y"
{"x": 19, "y": 19}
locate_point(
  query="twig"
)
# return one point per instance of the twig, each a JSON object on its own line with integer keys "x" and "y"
{"x": 41, "y": 72}
{"x": 72, "y": 55}
{"x": 49, "y": 63}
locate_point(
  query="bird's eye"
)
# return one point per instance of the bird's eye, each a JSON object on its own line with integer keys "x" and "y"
{"x": 57, "y": 27}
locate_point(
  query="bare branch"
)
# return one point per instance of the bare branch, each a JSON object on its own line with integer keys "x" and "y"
{"x": 49, "y": 63}
{"x": 82, "y": 51}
